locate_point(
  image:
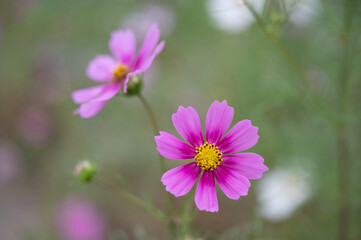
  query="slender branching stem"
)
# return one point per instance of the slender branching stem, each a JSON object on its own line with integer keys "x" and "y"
{"x": 282, "y": 49}
{"x": 154, "y": 124}
{"x": 344, "y": 99}
{"x": 150, "y": 208}
{"x": 148, "y": 109}
{"x": 289, "y": 58}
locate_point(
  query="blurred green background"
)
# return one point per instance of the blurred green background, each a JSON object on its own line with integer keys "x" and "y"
{"x": 45, "y": 46}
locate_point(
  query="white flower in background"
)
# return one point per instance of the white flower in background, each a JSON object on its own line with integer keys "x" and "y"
{"x": 281, "y": 192}
{"x": 140, "y": 20}
{"x": 303, "y": 12}
{"x": 232, "y": 16}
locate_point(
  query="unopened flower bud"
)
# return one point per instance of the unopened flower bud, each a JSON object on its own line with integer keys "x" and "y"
{"x": 135, "y": 85}
{"x": 85, "y": 171}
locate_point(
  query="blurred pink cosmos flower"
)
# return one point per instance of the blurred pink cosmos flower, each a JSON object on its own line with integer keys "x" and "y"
{"x": 80, "y": 220}
{"x": 11, "y": 159}
{"x": 217, "y": 158}
{"x": 117, "y": 70}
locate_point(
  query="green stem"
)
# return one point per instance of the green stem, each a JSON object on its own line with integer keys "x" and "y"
{"x": 155, "y": 127}
{"x": 343, "y": 144}
{"x": 343, "y": 178}
{"x": 282, "y": 49}
{"x": 292, "y": 62}
{"x": 343, "y": 128}
{"x": 152, "y": 210}
{"x": 171, "y": 224}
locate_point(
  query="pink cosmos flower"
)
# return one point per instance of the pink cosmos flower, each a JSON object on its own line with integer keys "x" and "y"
{"x": 80, "y": 220}
{"x": 217, "y": 159}
{"x": 116, "y": 71}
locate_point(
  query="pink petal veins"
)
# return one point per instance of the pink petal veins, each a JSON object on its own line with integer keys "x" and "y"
{"x": 187, "y": 123}
{"x": 122, "y": 44}
{"x": 206, "y": 195}
{"x": 241, "y": 137}
{"x": 180, "y": 180}
{"x": 219, "y": 117}
{"x": 171, "y": 147}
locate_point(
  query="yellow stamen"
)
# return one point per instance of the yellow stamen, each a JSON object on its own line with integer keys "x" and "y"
{"x": 120, "y": 73}
{"x": 208, "y": 157}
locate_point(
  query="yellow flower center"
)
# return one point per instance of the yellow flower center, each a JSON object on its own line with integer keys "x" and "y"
{"x": 208, "y": 157}
{"x": 120, "y": 73}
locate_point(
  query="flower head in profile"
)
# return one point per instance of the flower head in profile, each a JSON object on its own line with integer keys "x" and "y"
{"x": 216, "y": 158}
{"x": 115, "y": 71}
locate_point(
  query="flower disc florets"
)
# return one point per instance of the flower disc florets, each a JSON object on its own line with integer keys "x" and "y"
{"x": 120, "y": 73}
{"x": 208, "y": 157}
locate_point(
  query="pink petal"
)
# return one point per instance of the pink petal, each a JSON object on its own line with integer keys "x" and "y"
{"x": 187, "y": 123}
{"x": 171, "y": 147}
{"x": 249, "y": 165}
{"x": 180, "y": 180}
{"x": 98, "y": 93}
{"x": 241, "y": 137}
{"x": 122, "y": 44}
{"x": 148, "y": 45}
{"x": 90, "y": 109}
{"x": 87, "y": 94}
{"x": 125, "y": 81}
{"x": 144, "y": 66}
{"x": 232, "y": 183}
{"x": 219, "y": 117}
{"x": 101, "y": 68}
{"x": 206, "y": 195}
{"x": 109, "y": 93}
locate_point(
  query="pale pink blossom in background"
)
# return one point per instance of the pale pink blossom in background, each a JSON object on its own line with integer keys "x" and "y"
{"x": 35, "y": 126}
{"x": 116, "y": 70}
{"x": 232, "y": 16}
{"x": 11, "y": 160}
{"x": 217, "y": 158}
{"x": 141, "y": 19}
{"x": 302, "y": 12}
{"x": 80, "y": 220}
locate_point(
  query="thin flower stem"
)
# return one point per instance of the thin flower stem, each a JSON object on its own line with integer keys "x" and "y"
{"x": 292, "y": 62}
{"x": 343, "y": 128}
{"x": 155, "y": 127}
{"x": 171, "y": 224}
{"x": 152, "y": 210}
{"x": 282, "y": 49}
